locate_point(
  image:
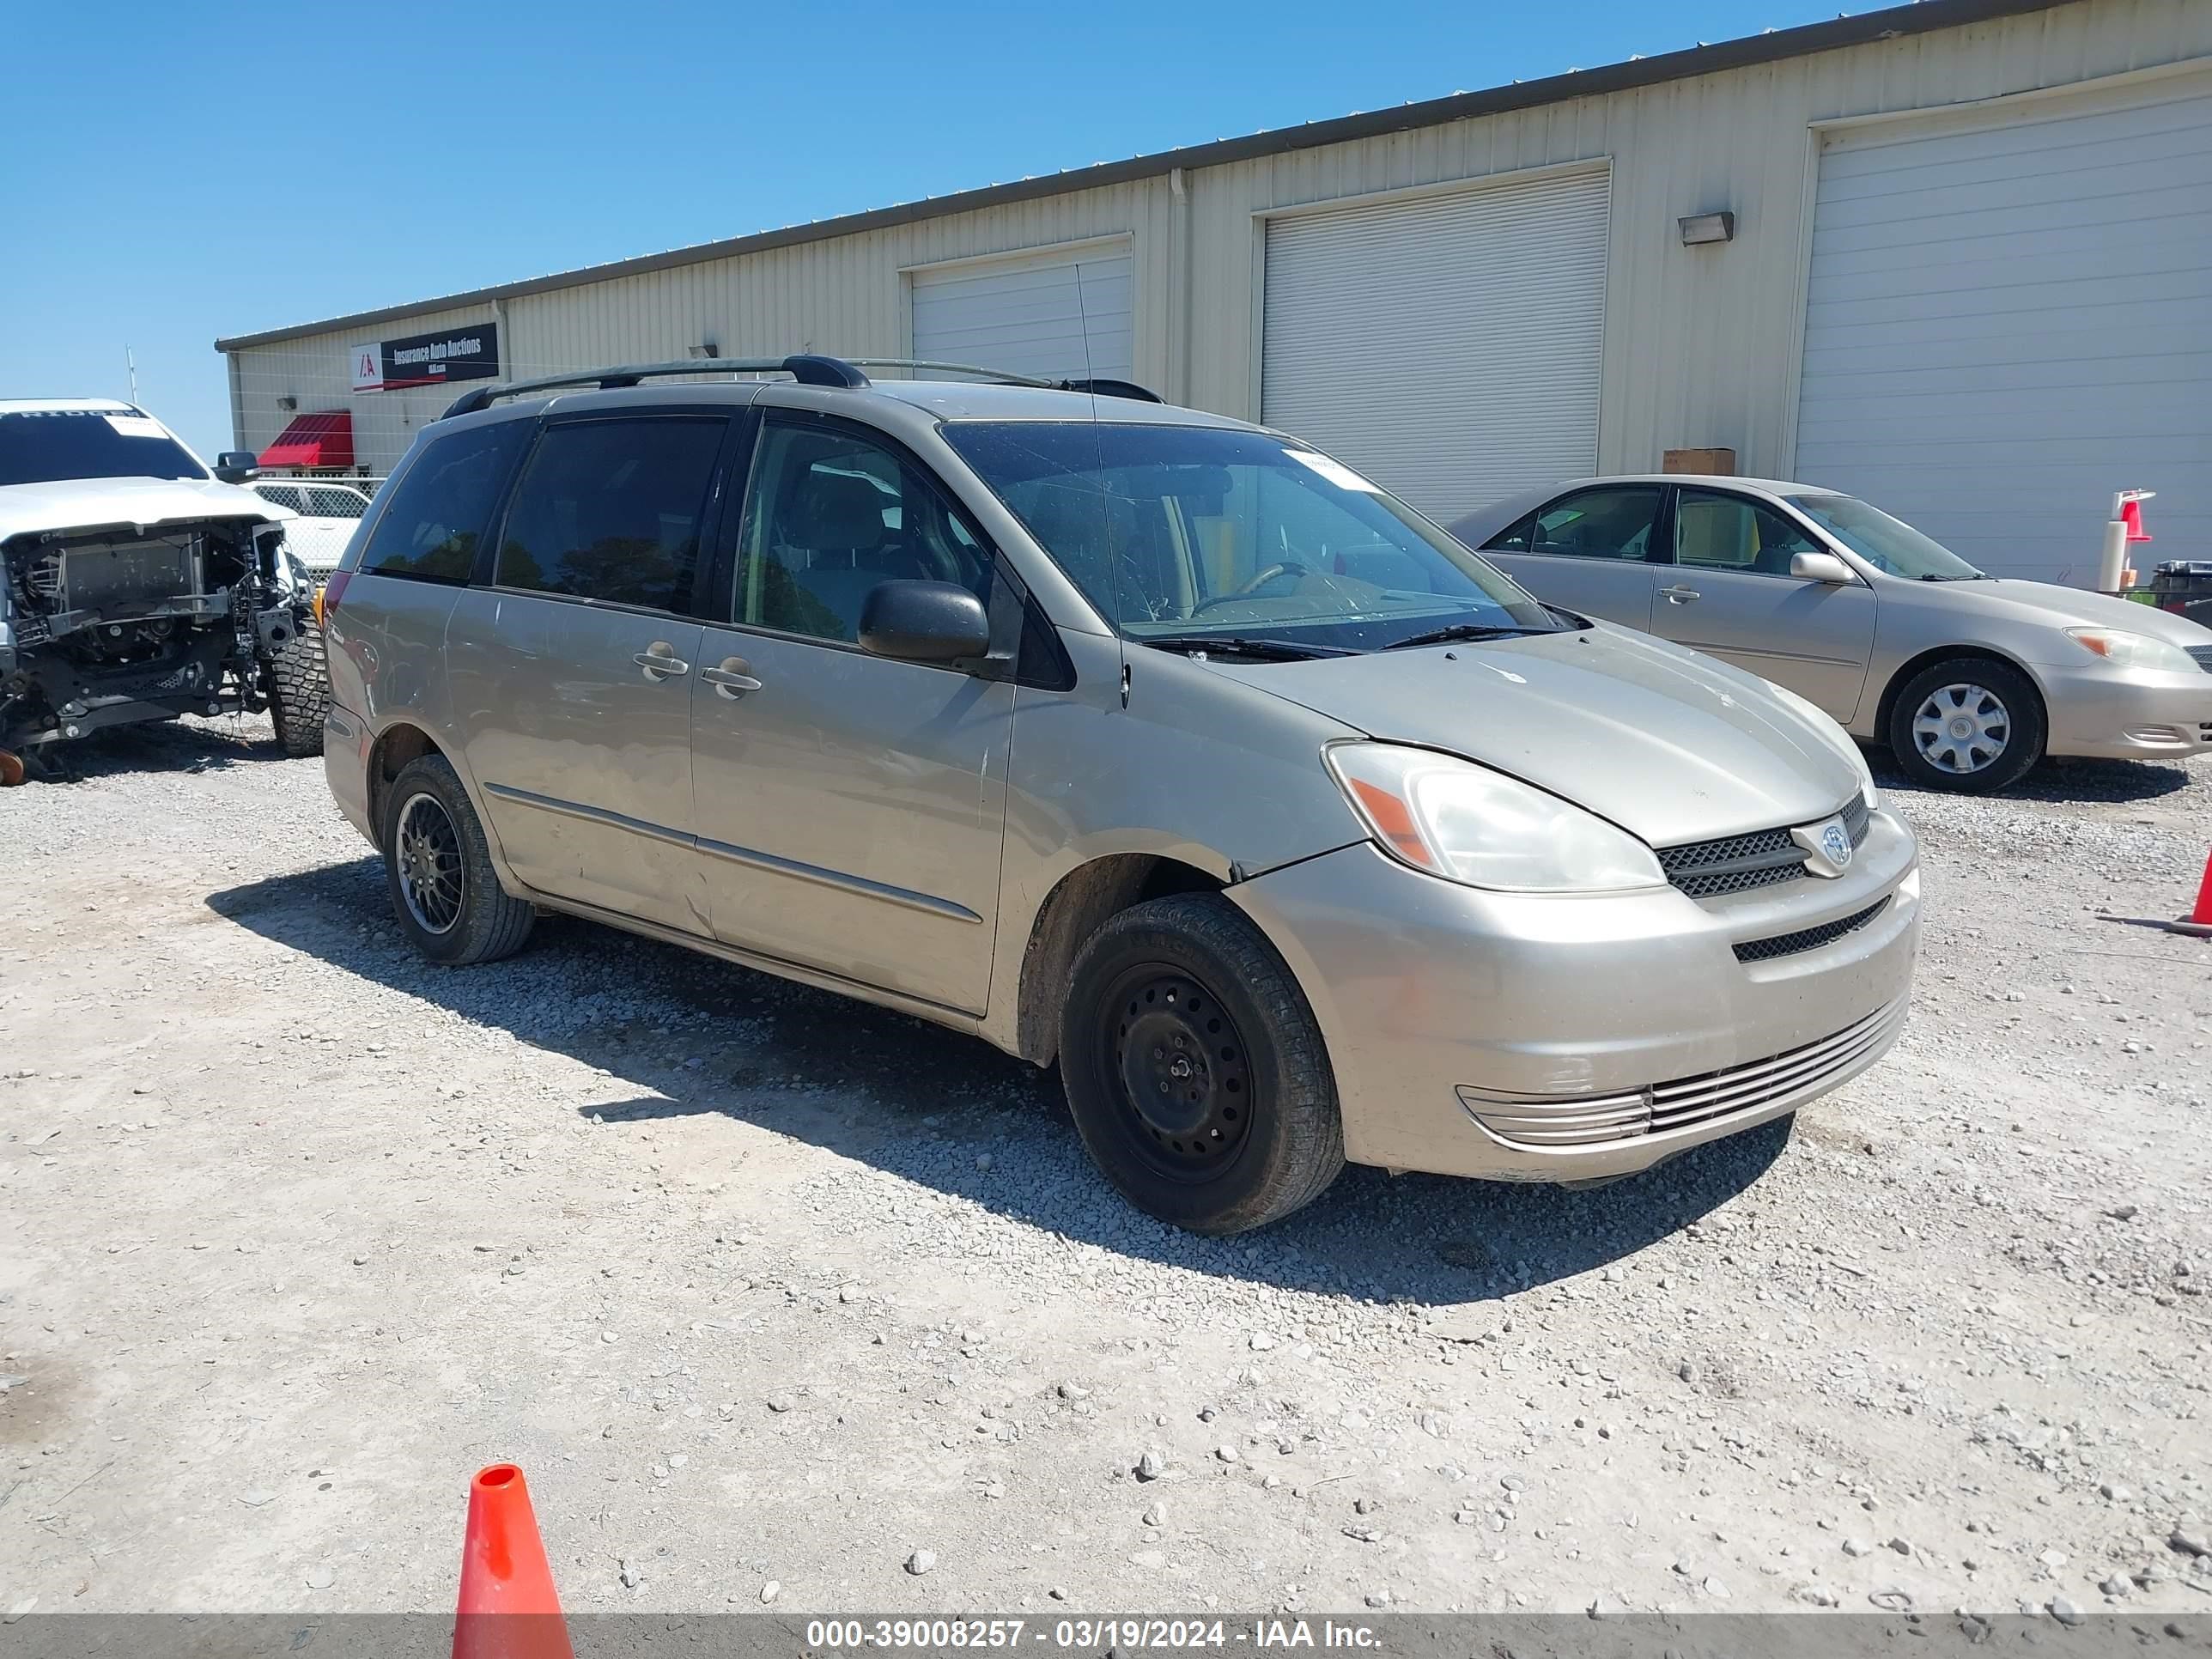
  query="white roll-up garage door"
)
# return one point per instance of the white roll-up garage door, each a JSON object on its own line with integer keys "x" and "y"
{"x": 1449, "y": 346}
{"x": 1031, "y": 316}
{"x": 2005, "y": 327}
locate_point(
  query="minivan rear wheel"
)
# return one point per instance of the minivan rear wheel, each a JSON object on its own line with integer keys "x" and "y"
{"x": 1194, "y": 1071}
{"x": 437, "y": 864}
{"x": 1968, "y": 725}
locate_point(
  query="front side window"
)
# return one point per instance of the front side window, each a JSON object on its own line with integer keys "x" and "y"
{"x": 49, "y": 445}
{"x": 1171, "y": 529}
{"x": 1613, "y": 523}
{"x": 831, "y": 515}
{"x": 612, "y": 510}
{"x": 440, "y": 510}
{"x": 1888, "y": 545}
{"x": 1717, "y": 531}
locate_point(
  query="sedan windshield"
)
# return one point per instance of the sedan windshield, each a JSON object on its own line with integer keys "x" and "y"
{"x": 1198, "y": 538}
{"x": 47, "y": 445}
{"x": 1886, "y": 544}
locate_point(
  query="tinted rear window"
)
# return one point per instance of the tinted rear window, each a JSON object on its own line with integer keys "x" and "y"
{"x": 612, "y": 510}
{"x": 48, "y": 445}
{"x": 440, "y": 511}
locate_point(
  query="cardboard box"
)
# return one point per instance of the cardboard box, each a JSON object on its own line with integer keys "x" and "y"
{"x": 1720, "y": 463}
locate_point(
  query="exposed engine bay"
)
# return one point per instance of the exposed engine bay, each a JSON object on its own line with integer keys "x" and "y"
{"x": 121, "y": 622}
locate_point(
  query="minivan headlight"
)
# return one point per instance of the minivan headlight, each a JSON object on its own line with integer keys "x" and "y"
{"x": 1839, "y": 739}
{"x": 1468, "y": 823}
{"x": 2126, "y": 650}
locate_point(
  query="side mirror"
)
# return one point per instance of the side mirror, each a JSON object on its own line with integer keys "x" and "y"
{"x": 924, "y": 622}
{"x": 1821, "y": 567}
{"x": 237, "y": 466}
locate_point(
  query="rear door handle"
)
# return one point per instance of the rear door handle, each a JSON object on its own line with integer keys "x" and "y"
{"x": 732, "y": 679}
{"x": 660, "y": 662}
{"x": 1680, "y": 595}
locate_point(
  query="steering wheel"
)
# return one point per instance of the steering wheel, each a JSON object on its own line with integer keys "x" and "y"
{"x": 1245, "y": 591}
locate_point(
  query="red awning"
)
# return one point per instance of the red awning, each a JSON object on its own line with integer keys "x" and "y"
{"x": 323, "y": 439}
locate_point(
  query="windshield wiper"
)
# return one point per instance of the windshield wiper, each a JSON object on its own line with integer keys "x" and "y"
{"x": 1232, "y": 645}
{"x": 1975, "y": 576}
{"x": 1462, "y": 631}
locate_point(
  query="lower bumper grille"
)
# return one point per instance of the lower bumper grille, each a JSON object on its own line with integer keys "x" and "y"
{"x": 1807, "y": 938}
{"x": 1545, "y": 1122}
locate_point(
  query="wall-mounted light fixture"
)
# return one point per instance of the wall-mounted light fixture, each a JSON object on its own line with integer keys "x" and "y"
{"x": 708, "y": 349}
{"x": 287, "y": 402}
{"x": 1702, "y": 227}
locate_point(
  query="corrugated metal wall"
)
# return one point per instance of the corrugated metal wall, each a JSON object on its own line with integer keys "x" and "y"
{"x": 1700, "y": 343}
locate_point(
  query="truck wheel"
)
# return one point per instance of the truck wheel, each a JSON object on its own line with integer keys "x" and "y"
{"x": 300, "y": 692}
{"x": 438, "y": 866}
{"x": 1194, "y": 1071}
{"x": 1969, "y": 725}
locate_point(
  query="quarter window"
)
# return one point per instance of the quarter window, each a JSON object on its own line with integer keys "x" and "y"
{"x": 612, "y": 510}
{"x": 1715, "y": 530}
{"x": 440, "y": 510}
{"x": 830, "y": 515}
{"x": 1613, "y": 523}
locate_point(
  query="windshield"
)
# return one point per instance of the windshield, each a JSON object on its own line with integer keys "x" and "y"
{"x": 1186, "y": 533}
{"x": 1886, "y": 544}
{"x": 47, "y": 446}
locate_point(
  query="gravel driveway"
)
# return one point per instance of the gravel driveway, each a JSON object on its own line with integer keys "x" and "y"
{"x": 779, "y": 1297}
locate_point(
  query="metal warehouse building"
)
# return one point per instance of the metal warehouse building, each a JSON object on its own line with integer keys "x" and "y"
{"x": 1955, "y": 257}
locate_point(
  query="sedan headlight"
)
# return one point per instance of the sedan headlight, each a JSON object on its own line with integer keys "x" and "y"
{"x": 1839, "y": 739}
{"x": 2124, "y": 650}
{"x": 1467, "y": 824}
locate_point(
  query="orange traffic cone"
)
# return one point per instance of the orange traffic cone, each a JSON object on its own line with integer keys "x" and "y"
{"x": 2202, "y": 916}
{"x": 507, "y": 1606}
{"x": 2131, "y": 516}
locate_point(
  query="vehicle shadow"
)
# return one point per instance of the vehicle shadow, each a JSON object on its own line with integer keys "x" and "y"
{"x": 160, "y": 746}
{"x": 2063, "y": 781}
{"x": 693, "y": 1036}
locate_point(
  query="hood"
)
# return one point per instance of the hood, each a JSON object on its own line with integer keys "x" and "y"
{"x": 2049, "y": 604}
{"x": 1670, "y": 745}
{"x": 94, "y": 503}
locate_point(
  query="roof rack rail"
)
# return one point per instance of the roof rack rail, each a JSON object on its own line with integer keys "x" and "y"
{"x": 808, "y": 368}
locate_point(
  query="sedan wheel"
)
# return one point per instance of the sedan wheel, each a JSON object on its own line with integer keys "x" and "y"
{"x": 1971, "y": 724}
{"x": 1961, "y": 729}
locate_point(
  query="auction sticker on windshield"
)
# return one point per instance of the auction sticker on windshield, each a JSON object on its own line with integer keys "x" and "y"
{"x": 1335, "y": 470}
{"x": 136, "y": 426}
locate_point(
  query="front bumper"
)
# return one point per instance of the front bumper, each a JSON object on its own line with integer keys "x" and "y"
{"x": 2126, "y": 714}
{"x": 1527, "y": 1037}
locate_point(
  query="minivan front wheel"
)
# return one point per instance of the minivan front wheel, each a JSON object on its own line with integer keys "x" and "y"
{"x": 437, "y": 864}
{"x": 1194, "y": 1071}
{"x": 1969, "y": 725}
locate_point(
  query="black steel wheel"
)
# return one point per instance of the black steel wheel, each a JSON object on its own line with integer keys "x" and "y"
{"x": 437, "y": 866}
{"x": 1193, "y": 1068}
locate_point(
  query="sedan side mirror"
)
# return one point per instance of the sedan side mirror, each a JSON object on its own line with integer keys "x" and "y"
{"x": 237, "y": 466}
{"x": 924, "y": 622}
{"x": 1821, "y": 567}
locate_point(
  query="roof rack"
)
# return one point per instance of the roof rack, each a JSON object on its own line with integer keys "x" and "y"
{"x": 808, "y": 368}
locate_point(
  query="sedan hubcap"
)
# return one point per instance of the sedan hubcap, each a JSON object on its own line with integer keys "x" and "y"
{"x": 427, "y": 853}
{"x": 1186, "y": 1081}
{"x": 1962, "y": 728}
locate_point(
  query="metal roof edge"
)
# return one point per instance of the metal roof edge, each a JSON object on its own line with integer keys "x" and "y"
{"x": 1916, "y": 17}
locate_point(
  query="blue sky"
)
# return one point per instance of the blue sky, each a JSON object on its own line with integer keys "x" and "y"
{"x": 178, "y": 173}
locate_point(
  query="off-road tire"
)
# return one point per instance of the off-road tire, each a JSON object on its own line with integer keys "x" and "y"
{"x": 1265, "y": 1065}
{"x": 300, "y": 692}
{"x": 488, "y": 923}
{"x": 2028, "y": 730}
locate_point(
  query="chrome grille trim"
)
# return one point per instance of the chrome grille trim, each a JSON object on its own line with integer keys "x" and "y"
{"x": 1733, "y": 864}
{"x": 1550, "y": 1122}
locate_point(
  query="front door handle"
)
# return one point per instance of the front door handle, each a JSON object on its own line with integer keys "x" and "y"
{"x": 660, "y": 661}
{"x": 1680, "y": 595}
{"x": 732, "y": 679}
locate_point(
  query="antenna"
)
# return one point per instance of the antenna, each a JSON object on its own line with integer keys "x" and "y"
{"x": 131, "y": 363}
{"x": 1105, "y": 516}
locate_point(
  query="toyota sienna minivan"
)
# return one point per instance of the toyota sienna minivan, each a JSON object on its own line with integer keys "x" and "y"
{"x": 1155, "y": 744}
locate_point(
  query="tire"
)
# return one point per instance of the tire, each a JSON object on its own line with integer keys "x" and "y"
{"x": 300, "y": 692}
{"x": 1992, "y": 731}
{"x": 1255, "y": 1133}
{"x": 462, "y": 916}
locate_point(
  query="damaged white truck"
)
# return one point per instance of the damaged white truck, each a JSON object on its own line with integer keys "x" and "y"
{"x": 136, "y": 585}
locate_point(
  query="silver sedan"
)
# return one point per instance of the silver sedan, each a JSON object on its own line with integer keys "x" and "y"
{"x": 1968, "y": 678}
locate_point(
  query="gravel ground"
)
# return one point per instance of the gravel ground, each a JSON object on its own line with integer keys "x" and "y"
{"x": 778, "y": 1297}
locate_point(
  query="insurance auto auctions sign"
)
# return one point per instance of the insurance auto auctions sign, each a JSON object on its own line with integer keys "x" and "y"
{"x": 452, "y": 354}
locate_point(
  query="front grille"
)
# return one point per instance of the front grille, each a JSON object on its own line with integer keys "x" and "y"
{"x": 1707, "y": 869}
{"x": 1807, "y": 938}
{"x": 1549, "y": 1122}
{"x": 2202, "y": 654}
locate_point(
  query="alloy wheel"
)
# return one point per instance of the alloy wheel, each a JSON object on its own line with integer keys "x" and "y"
{"x": 428, "y": 851}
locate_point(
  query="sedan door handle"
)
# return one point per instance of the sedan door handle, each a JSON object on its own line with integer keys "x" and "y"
{"x": 1680, "y": 595}
{"x": 660, "y": 661}
{"x": 732, "y": 679}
